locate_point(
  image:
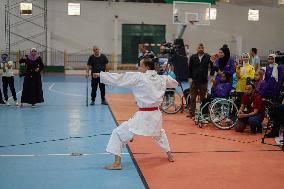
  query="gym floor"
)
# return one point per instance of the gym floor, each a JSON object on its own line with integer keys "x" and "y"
{"x": 61, "y": 144}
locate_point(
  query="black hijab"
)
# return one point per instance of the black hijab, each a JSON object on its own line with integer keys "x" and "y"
{"x": 223, "y": 61}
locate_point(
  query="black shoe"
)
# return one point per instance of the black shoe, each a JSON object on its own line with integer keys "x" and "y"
{"x": 271, "y": 135}
{"x": 191, "y": 115}
{"x": 2, "y": 102}
{"x": 104, "y": 102}
{"x": 92, "y": 103}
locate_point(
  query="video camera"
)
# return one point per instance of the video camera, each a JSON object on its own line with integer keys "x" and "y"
{"x": 151, "y": 55}
{"x": 169, "y": 48}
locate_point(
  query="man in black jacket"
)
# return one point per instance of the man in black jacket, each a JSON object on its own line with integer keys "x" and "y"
{"x": 198, "y": 76}
{"x": 97, "y": 63}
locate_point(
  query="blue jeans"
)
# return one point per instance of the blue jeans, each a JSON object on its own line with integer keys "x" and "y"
{"x": 254, "y": 122}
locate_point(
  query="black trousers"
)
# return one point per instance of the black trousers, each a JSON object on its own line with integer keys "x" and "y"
{"x": 278, "y": 119}
{"x": 9, "y": 81}
{"x": 95, "y": 83}
{"x": 1, "y": 99}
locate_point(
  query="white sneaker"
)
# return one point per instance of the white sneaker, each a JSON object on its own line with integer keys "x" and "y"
{"x": 33, "y": 105}
{"x": 16, "y": 103}
{"x": 7, "y": 103}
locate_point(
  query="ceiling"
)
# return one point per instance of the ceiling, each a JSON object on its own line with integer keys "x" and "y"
{"x": 272, "y": 3}
{"x": 252, "y": 2}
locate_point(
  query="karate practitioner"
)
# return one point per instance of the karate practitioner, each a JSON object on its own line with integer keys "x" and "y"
{"x": 148, "y": 89}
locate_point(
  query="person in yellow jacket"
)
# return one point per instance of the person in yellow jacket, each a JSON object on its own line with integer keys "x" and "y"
{"x": 245, "y": 73}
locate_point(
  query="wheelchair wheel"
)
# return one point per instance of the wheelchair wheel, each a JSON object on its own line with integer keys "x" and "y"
{"x": 172, "y": 102}
{"x": 187, "y": 102}
{"x": 223, "y": 113}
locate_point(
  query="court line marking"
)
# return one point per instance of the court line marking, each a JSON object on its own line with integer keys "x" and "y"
{"x": 50, "y": 88}
{"x": 16, "y": 95}
{"x": 42, "y": 155}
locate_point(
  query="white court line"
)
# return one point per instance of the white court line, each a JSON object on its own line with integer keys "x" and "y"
{"x": 63, "y": 93}
{"x": 41, "y": 155}
{"x": 16, "y": 94}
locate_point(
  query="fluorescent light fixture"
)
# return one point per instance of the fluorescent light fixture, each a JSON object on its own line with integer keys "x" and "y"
{"x": 74, "y": 9}
{"x": 211, "y": 14}
{"x": 26, "y": 8}
{"x": 253, "y": 15}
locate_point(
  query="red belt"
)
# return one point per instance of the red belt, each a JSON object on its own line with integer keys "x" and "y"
{"x": 149, "y": 109}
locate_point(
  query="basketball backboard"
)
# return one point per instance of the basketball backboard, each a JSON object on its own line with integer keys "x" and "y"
{"x": 191, "y": 12}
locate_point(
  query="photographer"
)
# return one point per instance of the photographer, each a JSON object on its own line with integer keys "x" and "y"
{"x": 198, "y": 76}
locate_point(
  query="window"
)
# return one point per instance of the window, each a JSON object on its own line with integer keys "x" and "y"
{"x": 26, "y": 8}
{"x": 253, "y": 15}
{"x": 211, "y": 14}
{"x": 74, "y": 9}
{"x": 281, "y": 2}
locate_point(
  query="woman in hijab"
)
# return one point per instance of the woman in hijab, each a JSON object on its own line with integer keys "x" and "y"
{"x": 32, "y": 88}
{"x": 259, "y": 83}
{"x": 245, "y": 73}
{"x": 273, "y": 79}
{"x": 223, "y": 63}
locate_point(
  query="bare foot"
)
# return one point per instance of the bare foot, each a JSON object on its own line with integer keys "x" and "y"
{"x": 170, "y": 157}
{"x": 113, "y": 167}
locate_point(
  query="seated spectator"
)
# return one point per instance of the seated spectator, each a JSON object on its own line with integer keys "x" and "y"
{"x": 259, "y": 83}
{"x": 169, "y": 95}
{"x": 219, "y": 89}
{"x": 251, "y": 111}
{"x": 223, "y": 88}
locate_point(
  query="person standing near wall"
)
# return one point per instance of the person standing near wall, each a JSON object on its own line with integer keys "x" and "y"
{"x": 255, "y": 61}
{"x": 32, "y": 87}
{"x": 97, "y": 63}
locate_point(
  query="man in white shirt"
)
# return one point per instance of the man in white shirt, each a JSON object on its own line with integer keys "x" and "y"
{"x": 148, "y": 89}
{"x": 8, "y": 80}
{"x": 255, "y": 61}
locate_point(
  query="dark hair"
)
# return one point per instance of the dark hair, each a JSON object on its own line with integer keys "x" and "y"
{"x": 225, "y": 46}
{"x": 254, "y": 50}
{"x": 228, "y": 77}
{"x": 251, "y": 84}
{"x": 148, "y": 62}
{"x": 200, "y": 45}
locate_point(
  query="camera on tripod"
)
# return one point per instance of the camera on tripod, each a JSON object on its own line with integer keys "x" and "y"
{"x": 169, "y": 48}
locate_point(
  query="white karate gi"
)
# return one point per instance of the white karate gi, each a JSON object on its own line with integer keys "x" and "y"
{"x": 148, "y": 90}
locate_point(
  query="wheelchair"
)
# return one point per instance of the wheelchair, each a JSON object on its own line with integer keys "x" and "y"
{"x": 222, "y": 112}
{"x": 174, "y": 102}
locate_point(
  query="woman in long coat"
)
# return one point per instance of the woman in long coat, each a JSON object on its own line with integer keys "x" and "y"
{"x": 32, "y": 88}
